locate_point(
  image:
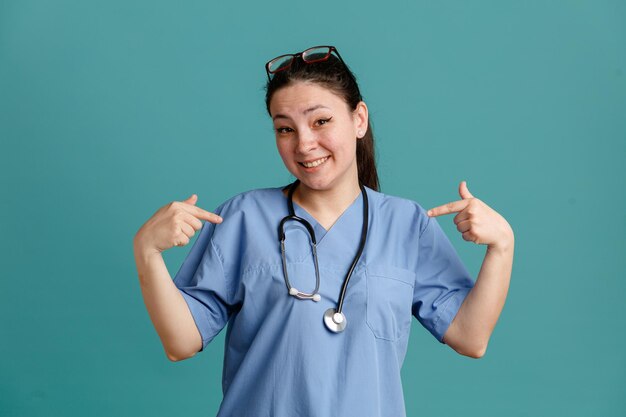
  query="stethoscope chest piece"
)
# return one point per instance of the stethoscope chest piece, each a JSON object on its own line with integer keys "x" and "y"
{"x": 335, "y": 322}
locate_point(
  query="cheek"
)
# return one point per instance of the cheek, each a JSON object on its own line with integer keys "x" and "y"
{"x": 345, "y": 145}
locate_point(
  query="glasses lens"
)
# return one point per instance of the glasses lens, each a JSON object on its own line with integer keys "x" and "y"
{"x": 280, "y": 63}
{"x": 318, "y": 53}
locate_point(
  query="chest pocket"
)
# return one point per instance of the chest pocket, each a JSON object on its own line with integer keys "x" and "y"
{"x": 389, "y": 301}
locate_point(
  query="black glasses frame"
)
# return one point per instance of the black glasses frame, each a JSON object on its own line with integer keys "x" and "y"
{"x": 303, "y": 55}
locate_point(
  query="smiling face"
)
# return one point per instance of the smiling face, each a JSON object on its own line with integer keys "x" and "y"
{"x": 316, "y": 134}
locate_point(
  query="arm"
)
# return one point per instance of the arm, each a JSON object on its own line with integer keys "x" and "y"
{"x": 470, "y": 330}
{"x": 167, "y": 308}
{"x": 172, "y": 225}
{"x": 473, "y": 324}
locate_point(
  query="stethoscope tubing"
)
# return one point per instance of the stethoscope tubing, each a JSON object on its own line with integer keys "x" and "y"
{"x": 364, "y": 229}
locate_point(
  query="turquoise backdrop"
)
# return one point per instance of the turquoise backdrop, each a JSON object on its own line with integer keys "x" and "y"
{"x": 111, "y": 109}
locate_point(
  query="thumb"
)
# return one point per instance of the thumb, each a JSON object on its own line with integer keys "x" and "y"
{"x": 191, "y": 200}
{"x": 463, "y": 191}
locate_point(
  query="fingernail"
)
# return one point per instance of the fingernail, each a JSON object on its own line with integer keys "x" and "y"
{"x": 430, "y": 213}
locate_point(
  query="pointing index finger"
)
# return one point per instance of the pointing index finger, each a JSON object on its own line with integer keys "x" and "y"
{"x": 205, "y": 215}
{"x": 452, "y": 207}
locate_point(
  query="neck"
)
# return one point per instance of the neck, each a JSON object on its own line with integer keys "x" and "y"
{"x": 333, "y": 200}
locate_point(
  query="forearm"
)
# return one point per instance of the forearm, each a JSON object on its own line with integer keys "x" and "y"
{"x": 473, "y": 325}
{"x": 167, "y": 308}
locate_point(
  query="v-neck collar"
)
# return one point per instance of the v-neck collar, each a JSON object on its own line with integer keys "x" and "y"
{"x": 320, "y": 231}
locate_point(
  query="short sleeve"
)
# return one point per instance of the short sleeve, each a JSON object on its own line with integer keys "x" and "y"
{"x": 202, "y": 282}
{"x": 442, "y": 281}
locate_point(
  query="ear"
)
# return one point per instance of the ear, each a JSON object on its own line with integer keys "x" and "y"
{"x": 360, "y": 119}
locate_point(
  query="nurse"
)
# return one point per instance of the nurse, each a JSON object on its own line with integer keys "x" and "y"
{"x": 372, "y": 259}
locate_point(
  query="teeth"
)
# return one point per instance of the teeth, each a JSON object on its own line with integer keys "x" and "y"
{"x": 315, "y": 163}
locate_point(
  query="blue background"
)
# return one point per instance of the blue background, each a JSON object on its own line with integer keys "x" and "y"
{"x": 110, "y": 110}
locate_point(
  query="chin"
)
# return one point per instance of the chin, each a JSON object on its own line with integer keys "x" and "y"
{"x": 315, "y": 184}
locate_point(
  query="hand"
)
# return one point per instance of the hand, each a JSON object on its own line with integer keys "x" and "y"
{"x": 174, "y": 224}
{"x": 478, "y": 222}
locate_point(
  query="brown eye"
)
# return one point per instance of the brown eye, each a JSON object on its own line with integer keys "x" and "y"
{"x": 323, "y": 121}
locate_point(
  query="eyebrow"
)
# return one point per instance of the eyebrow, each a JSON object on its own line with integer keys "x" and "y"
{"x": 310, "y": 109}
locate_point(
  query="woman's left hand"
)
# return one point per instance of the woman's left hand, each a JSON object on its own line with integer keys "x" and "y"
{"x": 477, "y": 222}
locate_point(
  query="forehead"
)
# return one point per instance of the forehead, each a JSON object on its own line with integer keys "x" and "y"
{"x": 296, "y": 98}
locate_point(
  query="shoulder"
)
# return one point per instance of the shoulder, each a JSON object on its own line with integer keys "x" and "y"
{"x": 398, "y": 210}
{"x": 255, "y": 199}
{"x": 249, "y": 220}
{"x": 253, "y": 211}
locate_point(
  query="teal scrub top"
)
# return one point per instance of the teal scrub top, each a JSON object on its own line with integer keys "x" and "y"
{"x": 280, "y": 360}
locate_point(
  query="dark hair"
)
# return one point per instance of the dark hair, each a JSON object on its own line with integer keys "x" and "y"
{"x": 336, "y": 76}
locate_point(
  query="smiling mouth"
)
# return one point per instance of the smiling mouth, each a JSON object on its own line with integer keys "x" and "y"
{"x": 315, "y": 163}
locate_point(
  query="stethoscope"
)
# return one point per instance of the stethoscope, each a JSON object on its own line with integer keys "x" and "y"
{"x": 334, "y": 319}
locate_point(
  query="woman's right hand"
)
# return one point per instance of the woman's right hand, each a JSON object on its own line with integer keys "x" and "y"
{"x": 174, "y": 224}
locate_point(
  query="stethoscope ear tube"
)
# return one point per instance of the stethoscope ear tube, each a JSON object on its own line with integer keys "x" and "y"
{"x": 294, "y": 291}
{"x": 309, "y": 228}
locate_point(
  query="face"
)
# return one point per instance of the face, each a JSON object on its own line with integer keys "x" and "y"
{"x": 316, "y": 134}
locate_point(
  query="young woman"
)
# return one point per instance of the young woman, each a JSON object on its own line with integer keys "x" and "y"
{"x": 318, "y": 280}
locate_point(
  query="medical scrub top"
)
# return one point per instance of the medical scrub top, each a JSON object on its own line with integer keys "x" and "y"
{"x": 280, "y": 360}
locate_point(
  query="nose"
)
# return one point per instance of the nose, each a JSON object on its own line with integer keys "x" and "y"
{"x": 307, "y": 141}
